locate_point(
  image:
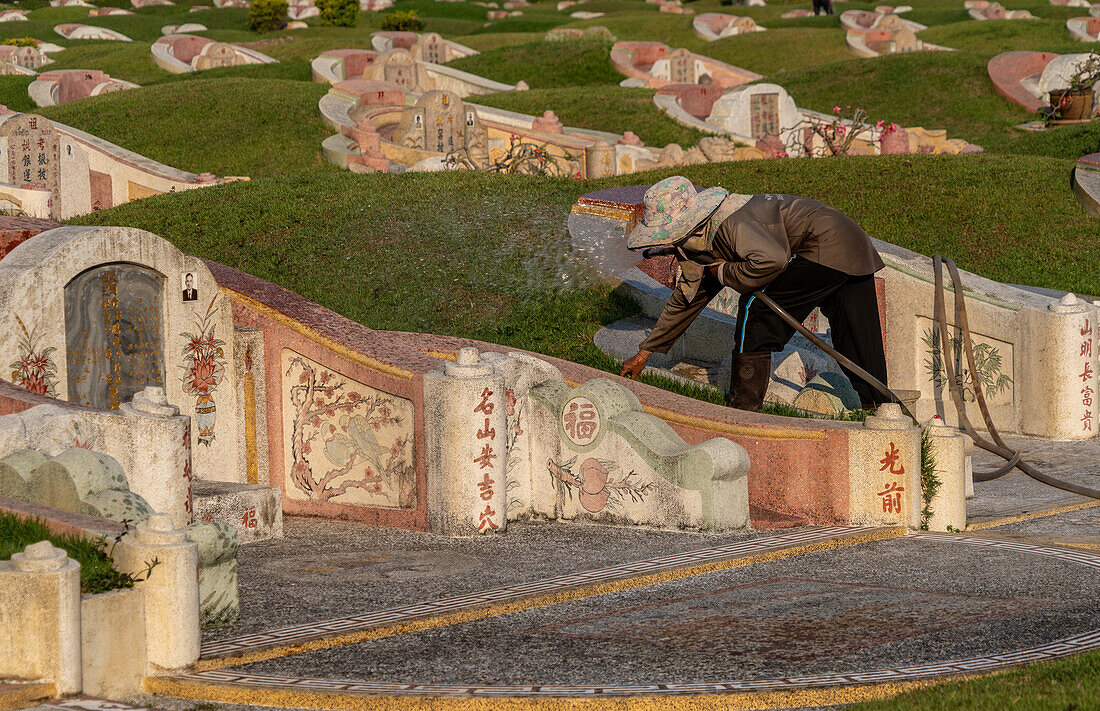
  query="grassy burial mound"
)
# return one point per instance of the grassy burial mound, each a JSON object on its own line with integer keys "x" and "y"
{"x": 225, "y": 125}
{"x": 492, "y": 260}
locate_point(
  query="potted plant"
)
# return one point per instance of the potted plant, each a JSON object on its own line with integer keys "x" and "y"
{"x": 1075, "y": 103}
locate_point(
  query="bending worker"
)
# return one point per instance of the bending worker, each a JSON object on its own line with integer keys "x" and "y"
{"x": 800, "y": 252}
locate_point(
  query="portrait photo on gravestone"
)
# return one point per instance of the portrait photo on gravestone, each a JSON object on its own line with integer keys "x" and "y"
{"x": 190, "y": 288}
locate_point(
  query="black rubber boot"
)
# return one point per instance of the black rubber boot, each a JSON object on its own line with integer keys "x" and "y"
{"x": 750, "y": 374}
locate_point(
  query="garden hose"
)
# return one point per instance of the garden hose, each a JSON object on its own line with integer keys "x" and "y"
{"x": 1013, "y": 458}
{"x": 954, "y": 386}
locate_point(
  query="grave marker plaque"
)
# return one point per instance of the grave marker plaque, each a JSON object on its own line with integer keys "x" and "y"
{"x": 681, "y": 67}
{"x": 114, "y": 337}
{"x": 433, "y": 50}
{"x": 764, "y": 115}
{"x": 34, "y": 155}
{"x": 400, "y": 68}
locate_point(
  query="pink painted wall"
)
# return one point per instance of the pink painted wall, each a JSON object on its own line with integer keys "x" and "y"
{"x": 792, "y": 480}
{"x": 1007, "y": 71}
{"x": 185, "y": 47}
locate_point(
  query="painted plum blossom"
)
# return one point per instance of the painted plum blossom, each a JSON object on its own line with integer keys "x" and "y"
{"x": 347, "y": 440}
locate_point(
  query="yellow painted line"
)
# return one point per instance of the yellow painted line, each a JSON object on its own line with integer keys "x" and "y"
{"x": 615, "y": 213}
{"x": 1086, "y": 546}
{"x": 1032, "y": 515}
{"x": 358, "y": 701}
{"x": 440, "y": 354}
{"x": 20, "y": 696}
{"x": 738, "y": 430}
{"x": 304, "y": 330}
{"x": 578, "y": 593}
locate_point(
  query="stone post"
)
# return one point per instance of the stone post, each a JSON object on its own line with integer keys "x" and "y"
{"x": 884, "y": 470}
{"x": 40, "y": 612}
{"x": 155, "y": 451}
{"x": 1058, "y": 379}
{"x": 171, "y": 591}
{"x": 466, "y": 431}
{"x": 599, "y": 160}
{"x": 949, "y": 450}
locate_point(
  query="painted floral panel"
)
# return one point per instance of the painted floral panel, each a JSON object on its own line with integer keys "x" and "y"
{"x": 344, "y": 441}
{"x": 992, "y": 357}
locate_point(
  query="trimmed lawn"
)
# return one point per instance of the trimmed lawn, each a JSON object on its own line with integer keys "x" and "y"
{"x": 228, "y": 126}
{"x": 600, "y": 108}
{"x": 545, "y": 65}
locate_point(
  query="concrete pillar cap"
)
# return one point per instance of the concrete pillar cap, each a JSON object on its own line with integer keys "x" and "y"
{"x": 153, "y": 401}
{"x": 938, "y": 428}
{"x": 1069, "y": 304}
{"x": 158, "y": 530}
{"x": 468, "y": 364}
{"x": 40, "y": 557}
{"x": 889, "y": 417}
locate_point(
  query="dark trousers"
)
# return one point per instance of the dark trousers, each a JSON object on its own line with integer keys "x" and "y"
{"x": 849, "y": 302}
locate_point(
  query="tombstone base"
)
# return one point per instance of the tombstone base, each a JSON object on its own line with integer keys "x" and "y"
{"x": 255, "y": 511}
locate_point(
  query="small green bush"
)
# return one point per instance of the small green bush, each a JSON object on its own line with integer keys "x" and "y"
{"x": 267, "y": 15}
{"x": 97, "y": 572}
{"x": 338, "y": 13}
{"x": 402, "y": 21}
{"x": 21, "y": 42}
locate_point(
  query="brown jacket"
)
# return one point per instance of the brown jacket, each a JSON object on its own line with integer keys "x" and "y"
{"x": 756, "y": 243}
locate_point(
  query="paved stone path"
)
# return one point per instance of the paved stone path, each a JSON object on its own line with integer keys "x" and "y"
{"x": 776, "y": 618}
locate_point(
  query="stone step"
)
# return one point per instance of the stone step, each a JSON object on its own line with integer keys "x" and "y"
{"x": 255, "y": 511}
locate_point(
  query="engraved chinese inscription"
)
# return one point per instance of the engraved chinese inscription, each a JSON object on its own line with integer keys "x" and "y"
{"x": 114, "y": 338}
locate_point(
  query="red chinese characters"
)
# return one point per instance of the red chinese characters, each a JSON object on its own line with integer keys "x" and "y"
{"x": 485, "y": 461}
{"x": 485, "y": 520}
{"x": 248, "y": 520}
{"x": 580, "y": 420}
{"x": 1088, "y": 377}
{"x": 891, "y": 494}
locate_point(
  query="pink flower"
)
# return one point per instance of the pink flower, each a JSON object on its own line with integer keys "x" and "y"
{"x": 841, "y": 129}
{"x": 880, "y": 124}
{"x": 836, "y": 109}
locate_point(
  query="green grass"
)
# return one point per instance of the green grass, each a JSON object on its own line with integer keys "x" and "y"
{"x": 97, "y": 572}
{"x": 1071, "y": 684}
{"x": 545, "y": 65}
{"x": 492, "y": 261}
{"x": 227, "y": 125}
{"x": 601, "y": 108}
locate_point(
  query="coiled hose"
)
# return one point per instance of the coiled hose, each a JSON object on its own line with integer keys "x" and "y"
{"x": 997, "y": 446}
{"x": 1013, "y": 458}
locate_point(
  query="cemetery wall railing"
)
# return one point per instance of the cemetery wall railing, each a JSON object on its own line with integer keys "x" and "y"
{"x": 800, "y": 471}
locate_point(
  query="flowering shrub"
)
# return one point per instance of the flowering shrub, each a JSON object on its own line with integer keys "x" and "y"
{"x": 521, "y": 158}
{"x": 835, "y": 136}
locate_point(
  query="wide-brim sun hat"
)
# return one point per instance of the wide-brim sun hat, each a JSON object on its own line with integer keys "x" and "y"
{"x": 673, "y": 209}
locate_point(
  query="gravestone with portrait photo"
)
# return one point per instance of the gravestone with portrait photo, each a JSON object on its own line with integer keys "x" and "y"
{"x": 100, "y": 313}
